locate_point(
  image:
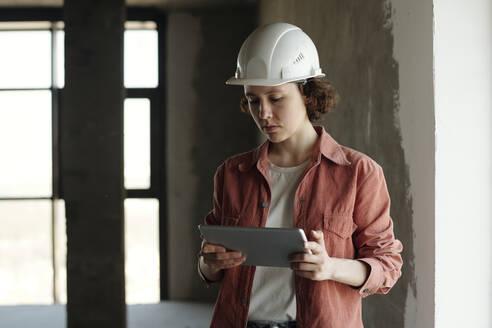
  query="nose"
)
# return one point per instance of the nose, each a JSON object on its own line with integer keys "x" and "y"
{"x": 265, "y": 111}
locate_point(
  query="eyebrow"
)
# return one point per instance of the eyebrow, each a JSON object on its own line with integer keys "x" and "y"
{"x": 267, "y": 93}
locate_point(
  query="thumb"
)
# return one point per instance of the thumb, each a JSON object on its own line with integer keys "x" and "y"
{"x": 318, "y": 237}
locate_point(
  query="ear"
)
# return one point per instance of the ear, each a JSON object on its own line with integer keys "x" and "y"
{"x": 303, "y": 96}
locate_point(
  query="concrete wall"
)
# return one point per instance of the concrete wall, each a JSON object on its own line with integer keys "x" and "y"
{"x": 356, "y": 45}
{"x": 204, "y": 127}
{"x": 413, "y": 51}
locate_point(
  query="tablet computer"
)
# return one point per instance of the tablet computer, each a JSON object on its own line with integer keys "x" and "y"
{"x": 262, "y": 246}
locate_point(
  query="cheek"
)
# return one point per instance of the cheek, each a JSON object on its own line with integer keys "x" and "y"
{"x": 291, "y": 115}
{"x": 300, "y": 111}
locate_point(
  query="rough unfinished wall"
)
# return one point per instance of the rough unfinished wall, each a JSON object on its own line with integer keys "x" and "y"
{"x": 413, "y": 51}
{"x": 204, "y": 127}
{"x": 355, "y": 44}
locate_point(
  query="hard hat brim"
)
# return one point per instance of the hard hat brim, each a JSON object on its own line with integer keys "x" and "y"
{"x": 268, "y": 82}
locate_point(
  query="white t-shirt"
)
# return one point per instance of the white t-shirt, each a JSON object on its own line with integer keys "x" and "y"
{"x": 273, "y": 296}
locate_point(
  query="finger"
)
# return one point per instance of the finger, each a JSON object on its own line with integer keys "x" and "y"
{"x": 235, "y": 264}
{"x": 303, "y": 257}
{"x": 224, "y": 264}
{"x": 222, "y": 255}
{"x": 297, "y": 257}
{"x": 220, "y": 263}
{"x": 314, "y": 246}
{"x": 213, "y": 248}
{"x": 303, "y": 266}
{"x": 207, "y": 243}
{"x": 318, "y": 237}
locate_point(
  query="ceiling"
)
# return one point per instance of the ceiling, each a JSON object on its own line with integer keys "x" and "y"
{"x": 144, "y": 3}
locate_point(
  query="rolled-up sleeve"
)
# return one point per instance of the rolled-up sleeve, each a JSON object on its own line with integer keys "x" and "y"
{"x": 213, "y": 217}
{"x": 374, "y": 238}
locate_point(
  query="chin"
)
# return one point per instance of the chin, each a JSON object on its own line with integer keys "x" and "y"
{"x": 275, "y": 138}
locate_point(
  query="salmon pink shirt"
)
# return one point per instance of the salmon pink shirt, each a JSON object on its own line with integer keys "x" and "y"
{"x": 343, "y": 193}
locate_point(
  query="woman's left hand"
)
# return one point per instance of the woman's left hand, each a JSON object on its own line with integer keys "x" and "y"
{"x": 315, "y": 266}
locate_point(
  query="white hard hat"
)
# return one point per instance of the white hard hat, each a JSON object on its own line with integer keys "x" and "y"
{"x": 275, "y": 54}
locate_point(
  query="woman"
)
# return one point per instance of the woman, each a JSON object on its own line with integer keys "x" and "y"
{"x": 300, "y": 177}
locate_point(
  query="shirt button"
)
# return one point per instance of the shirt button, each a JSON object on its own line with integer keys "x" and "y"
{"x": 244, "y": 300}
{"x": 264, "y": 204}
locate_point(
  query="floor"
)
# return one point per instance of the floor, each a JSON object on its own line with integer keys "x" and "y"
{"x": 165, "y": 314}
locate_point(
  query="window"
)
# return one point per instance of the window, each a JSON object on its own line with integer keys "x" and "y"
{"x": 26, "y": 170}
{"x": 32, "y": 215}
{"x": 141, "y": 181}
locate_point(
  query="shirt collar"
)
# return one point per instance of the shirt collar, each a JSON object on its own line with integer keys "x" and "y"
{"x": 325, "y": 145}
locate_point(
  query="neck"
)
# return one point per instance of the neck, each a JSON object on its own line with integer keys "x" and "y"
{"x": 295, "y": 150}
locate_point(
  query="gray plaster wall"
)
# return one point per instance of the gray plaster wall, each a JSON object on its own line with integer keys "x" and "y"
{"x": 355, "y": 45}
{"x": 204, "y": 127}
{"x": 413, "y": 50}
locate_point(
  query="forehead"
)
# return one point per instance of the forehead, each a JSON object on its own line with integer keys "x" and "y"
{"x": 256, "y": 90}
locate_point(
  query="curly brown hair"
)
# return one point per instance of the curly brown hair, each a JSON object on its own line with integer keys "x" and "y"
{"x": 321, "y": 97}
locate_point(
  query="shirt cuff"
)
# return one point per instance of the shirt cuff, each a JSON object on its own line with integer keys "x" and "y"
{"x": 207, "y": 281}
{"x": 372, "y": 283}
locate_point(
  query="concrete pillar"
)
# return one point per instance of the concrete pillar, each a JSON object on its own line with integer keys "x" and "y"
{"x": 92, "y": 162}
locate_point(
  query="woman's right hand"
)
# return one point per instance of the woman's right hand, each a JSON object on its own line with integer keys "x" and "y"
{"x": 215, "y": 258}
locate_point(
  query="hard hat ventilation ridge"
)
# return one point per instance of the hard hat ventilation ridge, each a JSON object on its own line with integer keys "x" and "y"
{"x": 299, "y": 58}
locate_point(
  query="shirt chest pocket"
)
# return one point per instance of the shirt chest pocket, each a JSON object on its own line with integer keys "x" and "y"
{"x": 338, "y": 230}
{"x": 342, "y": 225}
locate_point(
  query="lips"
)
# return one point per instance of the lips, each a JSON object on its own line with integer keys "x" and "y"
{"x": 270, "y": 128}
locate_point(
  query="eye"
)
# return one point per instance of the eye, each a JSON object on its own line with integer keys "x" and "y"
{"x": 275, "y": 100}
{"x": 253, "y": 102}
